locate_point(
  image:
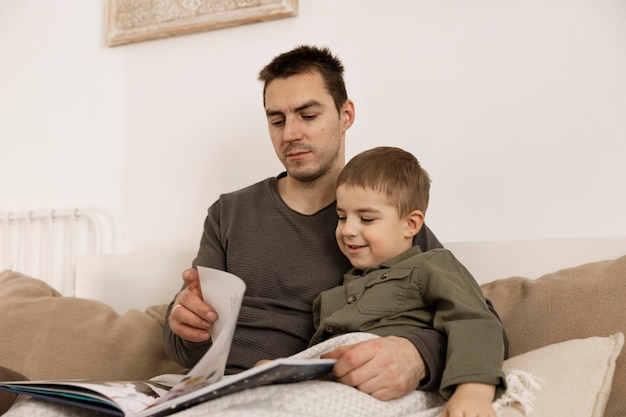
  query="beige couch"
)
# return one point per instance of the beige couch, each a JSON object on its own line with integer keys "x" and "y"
{"x": 45, "y": 336}
{"x": 572, "y": 303}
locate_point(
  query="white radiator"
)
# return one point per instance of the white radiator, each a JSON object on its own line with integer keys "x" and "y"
{"x": 45, "y": 244}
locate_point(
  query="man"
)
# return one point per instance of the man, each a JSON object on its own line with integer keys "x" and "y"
{"x": 278, "y": 236}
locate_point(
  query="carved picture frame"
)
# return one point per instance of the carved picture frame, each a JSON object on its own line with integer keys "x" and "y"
{"x": 129, "y": 21}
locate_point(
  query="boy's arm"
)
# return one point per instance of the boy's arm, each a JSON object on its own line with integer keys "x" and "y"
{"x": 475, "y": 337}
{"x": 430, "y": 343}
{"x": 432, "y": 346}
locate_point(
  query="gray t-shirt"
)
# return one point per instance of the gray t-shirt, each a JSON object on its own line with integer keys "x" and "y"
{"x": 286, "y": 259}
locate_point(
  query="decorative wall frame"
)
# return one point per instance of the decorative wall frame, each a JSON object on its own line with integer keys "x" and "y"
{"x": 130, "y": 21}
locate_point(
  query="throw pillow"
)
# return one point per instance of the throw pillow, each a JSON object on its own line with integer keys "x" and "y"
{"x": 575, "y": 376}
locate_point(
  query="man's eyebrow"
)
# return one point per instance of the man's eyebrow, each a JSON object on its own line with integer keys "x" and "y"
{"x": 304, "y": 106}
{"x": 269, "y": 112}
{"x": 308, "y": 105}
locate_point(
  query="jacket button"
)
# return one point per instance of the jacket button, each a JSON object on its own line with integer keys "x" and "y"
{"x": 331, "y": 330}
{"x": 385, "y": 275}
{"x": 352, "y": 299}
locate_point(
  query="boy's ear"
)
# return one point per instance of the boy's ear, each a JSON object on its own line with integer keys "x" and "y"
{"x": 414, "y": 222}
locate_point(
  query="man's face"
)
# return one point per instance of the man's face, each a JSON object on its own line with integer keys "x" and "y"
{"x": 306, "y": 129}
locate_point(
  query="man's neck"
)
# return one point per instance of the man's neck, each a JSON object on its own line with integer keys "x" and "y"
{"x": 307, "y": 197}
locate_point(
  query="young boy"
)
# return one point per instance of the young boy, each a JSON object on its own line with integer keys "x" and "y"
{"x": 394, "y": 287}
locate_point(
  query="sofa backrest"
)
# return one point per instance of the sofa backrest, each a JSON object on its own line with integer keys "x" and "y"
{"x": 572, "y": 303}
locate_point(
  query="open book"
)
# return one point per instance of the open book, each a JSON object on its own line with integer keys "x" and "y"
{"x": 204, "y": 382}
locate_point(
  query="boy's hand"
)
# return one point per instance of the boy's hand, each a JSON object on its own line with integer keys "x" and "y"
{"x": 471, "y": 399}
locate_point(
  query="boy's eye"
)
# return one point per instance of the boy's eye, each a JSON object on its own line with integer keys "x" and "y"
{"x": 341, "y": 218}
{"x": 366, "y": 220}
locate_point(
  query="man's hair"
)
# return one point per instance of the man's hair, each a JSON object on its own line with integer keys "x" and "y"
{"x": 310, "y": 59}
{"x": 393, "y": 172}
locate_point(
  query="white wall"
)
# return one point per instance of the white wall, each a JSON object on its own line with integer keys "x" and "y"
{"x": 516, "y": 108}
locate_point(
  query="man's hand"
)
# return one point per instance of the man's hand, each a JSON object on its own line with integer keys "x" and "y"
{"x": 191, "y": 318}
{"x": 386, "y": 367}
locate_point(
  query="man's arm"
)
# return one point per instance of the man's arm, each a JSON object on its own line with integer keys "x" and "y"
{"x": 426, "y": 239}
{"x": 188, "y": 322}
{"x": 186, "y": 333}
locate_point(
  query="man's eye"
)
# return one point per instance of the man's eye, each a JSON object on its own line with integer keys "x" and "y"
{"x": 278, "y": 122}
{"x": 309, "y": 116}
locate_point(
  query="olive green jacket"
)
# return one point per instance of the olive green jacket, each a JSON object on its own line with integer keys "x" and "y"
{"x": 430, "y": 290}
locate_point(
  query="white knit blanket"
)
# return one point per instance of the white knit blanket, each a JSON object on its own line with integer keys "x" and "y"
{"x": 306, "y": 399}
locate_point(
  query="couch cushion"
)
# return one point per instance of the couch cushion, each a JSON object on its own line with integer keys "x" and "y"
{"x": 46, "y": 336}
{"x": 572, "y": 303}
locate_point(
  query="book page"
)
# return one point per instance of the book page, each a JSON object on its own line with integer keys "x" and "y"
{"x": 277, "y": 371}
{"x": 224, "y": 292}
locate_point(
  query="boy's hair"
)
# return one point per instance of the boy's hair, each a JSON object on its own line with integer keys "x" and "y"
{"x": 392, "y": 172}
{"x": 307, "y": 58}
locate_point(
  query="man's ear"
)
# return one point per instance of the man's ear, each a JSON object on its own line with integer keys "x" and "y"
{"x": 414, "y": 222}
{"x": 347, "y": 111}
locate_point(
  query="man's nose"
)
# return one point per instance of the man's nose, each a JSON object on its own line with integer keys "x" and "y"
{"x": 292, "y": 130}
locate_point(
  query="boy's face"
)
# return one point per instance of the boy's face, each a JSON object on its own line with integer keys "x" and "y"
{"x": 370, "y": 231}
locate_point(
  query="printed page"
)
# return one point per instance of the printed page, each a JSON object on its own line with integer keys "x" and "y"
{"x": 277, "y": 371}
{"x": 224, "y": 292}
{"x": 112, "y": 397}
